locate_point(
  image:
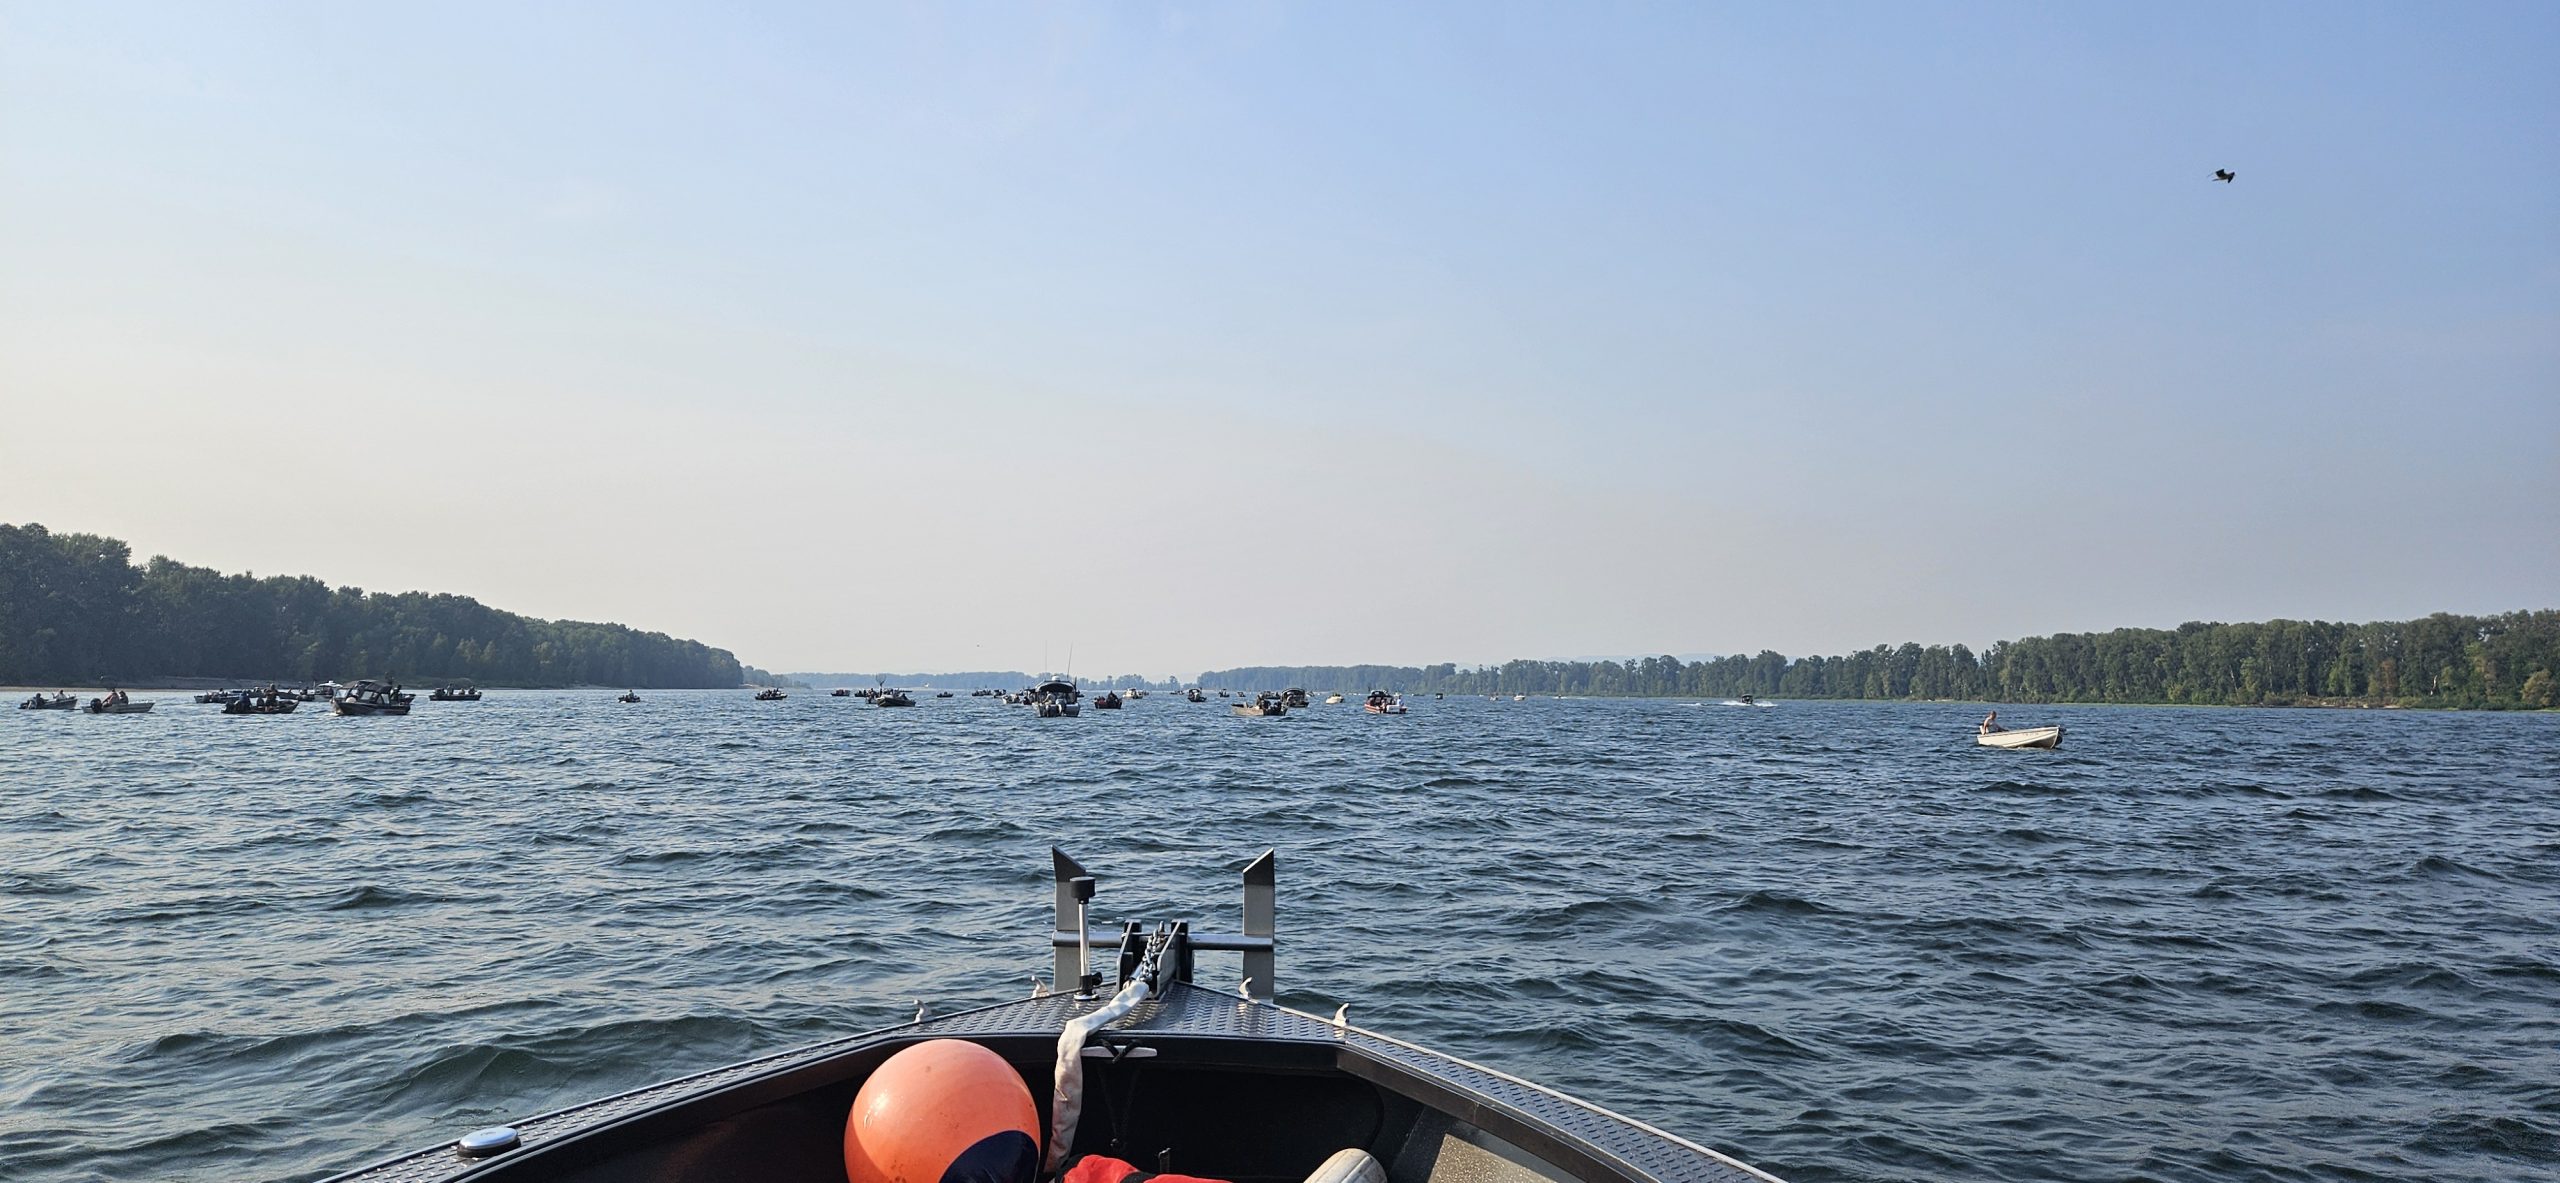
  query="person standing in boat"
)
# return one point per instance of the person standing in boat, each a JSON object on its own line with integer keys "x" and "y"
{"x": 1991, "y": 723}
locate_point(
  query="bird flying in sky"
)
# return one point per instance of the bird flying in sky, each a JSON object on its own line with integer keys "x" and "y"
{"x": 2224, "y": 175}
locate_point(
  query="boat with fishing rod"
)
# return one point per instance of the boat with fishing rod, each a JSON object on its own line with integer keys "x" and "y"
{"x": 892, "y": 698}
{"x": 1107, "y": 701}
{"x": 627, "y": 696}
{"x": 454, "y": 694}
{"x": 61, "y": 701}
{"x": 771, "y": 694}
{"x": 1056, "y": 698}
{"x": 1166, "y": 1067}
{"x": 1380, "y": 702}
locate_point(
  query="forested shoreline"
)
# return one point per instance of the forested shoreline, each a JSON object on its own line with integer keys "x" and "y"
{"x": 75, "y": 610}
{"x": 2501, "y": 662}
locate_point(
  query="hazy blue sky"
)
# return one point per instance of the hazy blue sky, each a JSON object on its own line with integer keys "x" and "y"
{"x": 1196, "y": 335}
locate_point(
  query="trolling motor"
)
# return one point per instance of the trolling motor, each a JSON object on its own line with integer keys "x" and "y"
{"x": 1165, "y": 955}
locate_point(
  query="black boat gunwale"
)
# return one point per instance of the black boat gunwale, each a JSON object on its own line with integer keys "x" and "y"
{"x": 1320, "y": 1046}
{"x": 1239, "y": 1036}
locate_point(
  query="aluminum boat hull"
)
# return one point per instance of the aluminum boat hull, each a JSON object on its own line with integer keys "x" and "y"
{"x": 1229, "y": 1088}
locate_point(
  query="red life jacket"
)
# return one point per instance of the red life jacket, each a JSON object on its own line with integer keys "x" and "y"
{"x": 1095, "y": 1168}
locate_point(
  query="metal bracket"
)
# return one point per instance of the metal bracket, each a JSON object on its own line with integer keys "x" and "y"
{"x": 1070, "y": 937}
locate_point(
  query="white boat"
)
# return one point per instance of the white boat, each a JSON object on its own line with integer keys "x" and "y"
{"x": 2021, "y": 737}
{"x": 1056, "y": 698}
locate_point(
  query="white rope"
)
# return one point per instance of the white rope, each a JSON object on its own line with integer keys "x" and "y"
{"x": 1067, "y": 1103}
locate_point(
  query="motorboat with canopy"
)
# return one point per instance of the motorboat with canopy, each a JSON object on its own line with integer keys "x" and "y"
{"x": 1057, "y": 698}
{"x": 368, "y": 697}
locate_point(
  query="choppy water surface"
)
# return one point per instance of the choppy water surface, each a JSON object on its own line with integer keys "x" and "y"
{"x": 1833, "y": 939}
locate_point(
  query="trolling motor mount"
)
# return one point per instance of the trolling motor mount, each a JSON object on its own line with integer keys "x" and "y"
{"x": 1167, "y": 951}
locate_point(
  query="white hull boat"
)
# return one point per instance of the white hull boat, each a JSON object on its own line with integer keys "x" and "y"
{"x": 2021, "y": 737}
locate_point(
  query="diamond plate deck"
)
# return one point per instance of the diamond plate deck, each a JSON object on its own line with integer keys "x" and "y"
{"x": 1185, "y": 1013}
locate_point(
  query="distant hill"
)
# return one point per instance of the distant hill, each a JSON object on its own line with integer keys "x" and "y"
{"x": 74, "y": 610}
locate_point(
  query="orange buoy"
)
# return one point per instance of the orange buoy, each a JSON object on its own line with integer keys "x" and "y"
{"x": 943, "y": 1111}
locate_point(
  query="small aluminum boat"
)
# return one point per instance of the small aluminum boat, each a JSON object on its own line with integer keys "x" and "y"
{"x": 2021, "y": 737}
{"x": 1176, "y": 1075}
{"x": 262, "y": 704}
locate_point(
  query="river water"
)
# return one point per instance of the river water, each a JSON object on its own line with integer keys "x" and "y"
{"x": 1833, "y": 939}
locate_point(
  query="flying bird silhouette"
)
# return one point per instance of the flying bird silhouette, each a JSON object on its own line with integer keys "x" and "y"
{"x": 2224, "y": 175}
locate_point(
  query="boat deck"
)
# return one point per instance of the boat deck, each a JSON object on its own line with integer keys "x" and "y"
{"x": 1571, "y": 1138}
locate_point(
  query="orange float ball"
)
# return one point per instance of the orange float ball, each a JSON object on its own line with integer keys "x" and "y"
{"x": 943, "y": 1111}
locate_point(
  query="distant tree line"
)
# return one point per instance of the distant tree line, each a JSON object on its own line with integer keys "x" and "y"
{"x": 75, "y": 610}
{"x": 2497, "y": 662}
{"x": 976, "y": 680}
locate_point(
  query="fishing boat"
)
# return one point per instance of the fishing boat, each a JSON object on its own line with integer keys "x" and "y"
{"x": 61, "y": 701}
{"x": 1264, "y": 706}
{"x": 115, "y": 703}
{"x": 943, "y": 694}
{"x": 1295, "y": 697}
{"x": 1382, "y": 703}
{"x": 1160, "y": 1062}
{"x": 627, "y": 696}
{"x": 1056, "y": 699}
{"x": 839, "y": 692}
{"x": 454, "y": 694}
{"x": 1333, "y": 700}
{"x": 892, "y": 698}
{"x": 368, "y": 697}
{"x": 771, "y": 694}
{"x": 262, "y": 702}
{"x": 1194, "y": 695}
{"x": 210, "y": 697}
{"x": 2021, "y": 737}
{"x": 1107, "y": 701}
